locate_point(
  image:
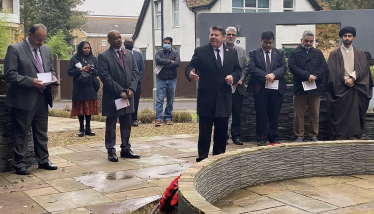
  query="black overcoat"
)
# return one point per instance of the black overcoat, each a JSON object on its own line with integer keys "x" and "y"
{"x": 214, "y": 96}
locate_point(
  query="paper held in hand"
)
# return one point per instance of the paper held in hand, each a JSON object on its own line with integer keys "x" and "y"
{"x": 121, "y": 103}
{"x": 272, "y": 85}
{"x": 46, "y": 78}
{"x": 233, "y": 89}
{"x": 309, "y": 85}
{"x": 158, "y": 68}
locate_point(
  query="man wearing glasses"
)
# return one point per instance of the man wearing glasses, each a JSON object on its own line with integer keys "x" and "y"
{"x": 308, "y": 66}
{"x": 267, "y": 68}
{"x": 238, "y": 89}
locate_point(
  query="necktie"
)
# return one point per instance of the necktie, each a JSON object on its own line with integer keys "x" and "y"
{"x": 39, "y": 66}
{"x": 38, "y": 62}
{"x": 120, "y": 57}
{"x": 219, "y": 60}
{"x": 268, "y": 67}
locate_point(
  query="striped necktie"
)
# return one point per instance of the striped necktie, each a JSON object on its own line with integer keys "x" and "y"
{"x": 39, "y": 66}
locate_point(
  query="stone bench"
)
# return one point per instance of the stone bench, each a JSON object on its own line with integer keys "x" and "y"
{"x": 206, "y": 182}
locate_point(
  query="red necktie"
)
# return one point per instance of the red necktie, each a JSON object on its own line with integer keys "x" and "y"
{"x": 120, "y": 57}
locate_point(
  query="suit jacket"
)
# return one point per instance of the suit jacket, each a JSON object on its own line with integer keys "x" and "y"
{"x": 116, "y": 79}
{"x": 257, "y": 70}
{"x": 302, "y": 65}
{"x": 243, "y": 62}
{"x": 20, "y": 71}
{"x": 214, "y": 97}
{"x": 141, "y": 67}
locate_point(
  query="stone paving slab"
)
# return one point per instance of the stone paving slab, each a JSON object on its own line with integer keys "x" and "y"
{"x": 47, "y": 175}
{"x": 74, "y": 211}
{"x": 66, "y": 185}
{"x": 19, "y": 202}
{"x": 113, "y": 182}
{"x": 70, "y": 200}
{"x": 367, "y": 208}
{"x": 367, "y": 184}
{"x": 156, "y": 161}
{"x": 277, "y": 187}
{"x": 136, "y": 193}
{"x": 120, "y": 207}
{"x": 22, "y": 187}
{"x": 242, "y": 201}
{"x": 281, "y": 210}
{"x": 159, "y": 172}
{"x": 59, "y": 124}
{"x": 324, "y": 181}
{"x": 103, "y": 165}
{"x": 41, "y": 191}
{"x": 303, "y": 202}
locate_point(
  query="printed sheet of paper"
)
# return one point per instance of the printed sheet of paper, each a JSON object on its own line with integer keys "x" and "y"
{"x": 121, "y": 103}
{"x": 46, "y": 78}
{"x": 272, "y": 85}
{"x": 309, "y": 85}
{"x": 158, "y": 68}
{"x": 233, "y": 89}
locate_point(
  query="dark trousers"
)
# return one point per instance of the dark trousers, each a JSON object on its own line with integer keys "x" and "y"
{"x": 110, "y": 133}
{"x": 37, "y": 118}
{"x": 268, "y": 104}
{"x": 205, "y": 136}
{"x": 134, "y": 116}
{"x": 237, "y": 104}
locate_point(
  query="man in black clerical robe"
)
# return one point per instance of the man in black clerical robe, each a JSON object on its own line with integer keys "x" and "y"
{"x": 349, "y": 89}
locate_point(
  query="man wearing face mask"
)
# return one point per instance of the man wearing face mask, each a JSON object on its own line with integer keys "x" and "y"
{"x": 129, "y": 44}
{"x": 308, "y": 65}
{"x": 168, "y": 58}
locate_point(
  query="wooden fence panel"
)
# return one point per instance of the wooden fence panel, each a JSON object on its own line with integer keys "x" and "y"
{"x": 66, "y": 81}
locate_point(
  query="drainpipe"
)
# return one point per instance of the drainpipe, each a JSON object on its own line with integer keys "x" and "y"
{"x": 193, "y": 10}
{"x": 162, "y": 22}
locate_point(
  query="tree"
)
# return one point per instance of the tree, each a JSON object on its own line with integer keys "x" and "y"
{"x": 58, "y": 45}
{"x": 5, "y": 35}
{"x": 348, "y": 4}
{"x": 55, "y": 15}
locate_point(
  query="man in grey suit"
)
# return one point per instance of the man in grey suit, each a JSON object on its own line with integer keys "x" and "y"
{"x": 119, "y": 74}
{"x": 129, "y": 44}
{"x": 238, "y": 94}
{"x": 28, "y": 97}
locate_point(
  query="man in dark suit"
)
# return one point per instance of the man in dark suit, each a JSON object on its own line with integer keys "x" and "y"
{"x": 267, "y": 64}
{"x": 308, "y": 66}
{"x": 216, "y": 66}
{"x": 129, "y": 44}
{"x": 119, "y": 74}
{"x": 28, "y": 97}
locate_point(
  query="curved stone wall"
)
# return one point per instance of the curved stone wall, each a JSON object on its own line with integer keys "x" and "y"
{"x": 207, "y": 181}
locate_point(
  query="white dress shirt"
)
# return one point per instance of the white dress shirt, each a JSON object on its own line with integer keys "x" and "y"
{"x": 33, "y": 52}
{"x": 220, "y": 53}
{"x": 115, "y": 50}
{"x": 265, "y": 55}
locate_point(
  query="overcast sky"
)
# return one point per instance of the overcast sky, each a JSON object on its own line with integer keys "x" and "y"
{"x": 112, "y": 7}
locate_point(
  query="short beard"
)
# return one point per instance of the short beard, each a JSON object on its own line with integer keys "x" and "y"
{"x": 229, "y": 43}
{"x": 347, "y": 42}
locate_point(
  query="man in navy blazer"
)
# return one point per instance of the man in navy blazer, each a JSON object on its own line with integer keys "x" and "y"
{"x": 267, "y": 64}
{"x": 129, "y": 44}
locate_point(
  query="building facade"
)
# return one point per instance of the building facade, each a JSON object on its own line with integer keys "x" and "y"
{"x": 179, "y": 21}
{"x": 12, "y": 9}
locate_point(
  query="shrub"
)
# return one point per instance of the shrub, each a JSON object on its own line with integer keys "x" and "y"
{"x": 185, "y": 117}
{"x": 175, "y": 116}
{"x": 146, "y": 115}
{"x": 100, "y": 97}
{"x": 58, "y": 45}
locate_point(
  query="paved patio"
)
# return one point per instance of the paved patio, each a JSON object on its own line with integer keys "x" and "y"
{"x": 86, "y": 182}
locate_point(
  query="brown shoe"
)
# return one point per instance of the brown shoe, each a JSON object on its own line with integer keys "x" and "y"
{"x": 168, "y": 122}
{"x": 158, "y": 123}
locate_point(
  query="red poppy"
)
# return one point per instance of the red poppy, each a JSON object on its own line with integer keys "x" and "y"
{"x": 124, "y": 52}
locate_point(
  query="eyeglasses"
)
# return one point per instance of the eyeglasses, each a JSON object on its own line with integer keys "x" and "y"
{"x": 308, "y": 41}
{"x": 231, "y": 34}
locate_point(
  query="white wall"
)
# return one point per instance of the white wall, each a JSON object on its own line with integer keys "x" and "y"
{"x": 14, "y": 16}
{"x": 184, "y": 35}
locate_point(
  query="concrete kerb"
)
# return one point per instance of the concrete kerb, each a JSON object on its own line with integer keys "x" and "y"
{"x": 325, "y": 157}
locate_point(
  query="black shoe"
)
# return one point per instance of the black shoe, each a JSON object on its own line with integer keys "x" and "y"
{"x": 237, "y": 141}
{"x": 89, "y": 132}
{"x": 135, "y": 124}
{"x": 81, "y": 133}
{"x": 113, "y": 157}
{"x": 261, "y": 143}
{"x": 47, "y": 166}
{"x": 22, "y": 171}
{"x": 129, "y": 154}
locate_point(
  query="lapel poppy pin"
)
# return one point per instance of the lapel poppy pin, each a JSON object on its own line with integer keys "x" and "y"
{"x": 124, "y": 52}
{"x": 227, "y": 49}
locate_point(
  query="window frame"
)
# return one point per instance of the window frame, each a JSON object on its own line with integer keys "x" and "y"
{"x": 176, "y": 13}
{"x": 289, "y": 9}
{"x": 102, "y": 43}
{"x": 158, "y": 16}
{"x": 255, "y": 9}
{"x": 144, "y": 55}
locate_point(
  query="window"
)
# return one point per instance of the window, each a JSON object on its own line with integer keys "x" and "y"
{"x": 144, "y": 53}
{"x": 158, "y": 14}
{"x": 288, "y": 5}
{"x": 103, "y": 43}
{"x": 178, "y": 49}
{"x": 1, "y": 4}
{"x": 176, "y": 12}
{"x": 250, "y": 6}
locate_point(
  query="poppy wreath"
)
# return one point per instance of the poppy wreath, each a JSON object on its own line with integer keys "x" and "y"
{"x": 169, "y": 200}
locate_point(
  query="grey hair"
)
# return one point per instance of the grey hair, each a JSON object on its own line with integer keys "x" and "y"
{"x": 231, "y": 29}
{"x": 307, "y": 33}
